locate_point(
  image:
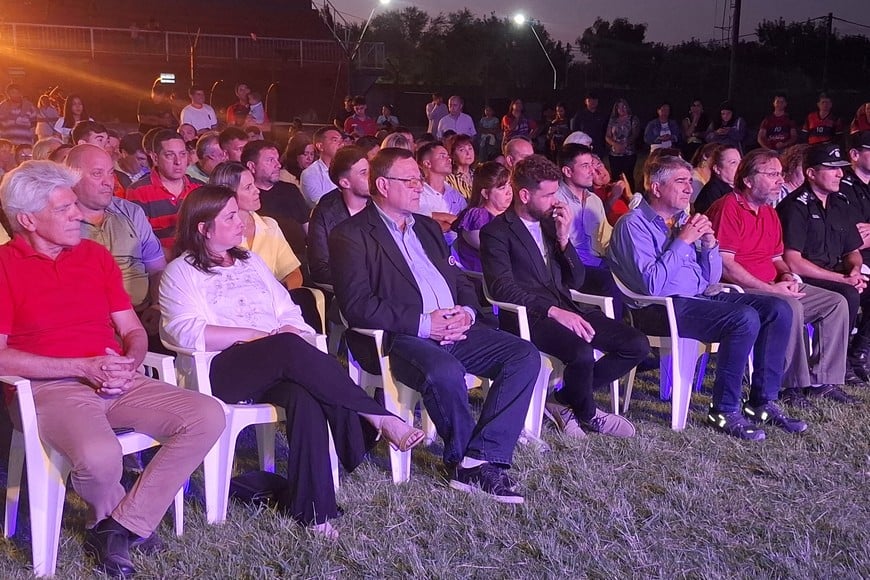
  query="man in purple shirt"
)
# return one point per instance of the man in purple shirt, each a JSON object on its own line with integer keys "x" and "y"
{"x": 657, "y": 249}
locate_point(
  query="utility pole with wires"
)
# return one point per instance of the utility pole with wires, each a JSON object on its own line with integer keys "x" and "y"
{"x": 735, "y": 41}
{"x": 829, "y": 31}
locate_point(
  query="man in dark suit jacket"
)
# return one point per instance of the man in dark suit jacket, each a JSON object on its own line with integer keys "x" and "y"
{"x": 392, "y": 270}
{"x": 528, "y": 259}
{"x": 350, "y": 170}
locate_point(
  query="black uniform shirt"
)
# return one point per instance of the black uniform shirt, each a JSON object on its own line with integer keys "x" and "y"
{"x": 822, "y": 235}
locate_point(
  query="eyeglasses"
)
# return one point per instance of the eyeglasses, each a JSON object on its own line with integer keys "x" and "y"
{"x": 771, "y": 174}
{"x": 408, "y": 181}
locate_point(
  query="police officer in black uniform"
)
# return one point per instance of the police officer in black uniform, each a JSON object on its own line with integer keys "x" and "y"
{"x": 856, "y": 185}
{"x": 823, "y": 245}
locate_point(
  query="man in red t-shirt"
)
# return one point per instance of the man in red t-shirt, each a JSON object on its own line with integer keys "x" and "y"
{"x": 62, "y": 304}
{"x": 751, "y": 245}
{"x": 359, "y": 124}
{"x": 778, "y": 131}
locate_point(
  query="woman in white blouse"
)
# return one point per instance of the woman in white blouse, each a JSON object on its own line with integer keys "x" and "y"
{"x": 216, "y": 296}
{"x": 262, "y": 235}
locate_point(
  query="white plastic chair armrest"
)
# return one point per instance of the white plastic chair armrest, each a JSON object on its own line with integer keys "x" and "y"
{"x": 605, "y": 303}
{"x": 318, "y": 341}
{"x": 319, "y": 303}
{"x": 375, "y": 334}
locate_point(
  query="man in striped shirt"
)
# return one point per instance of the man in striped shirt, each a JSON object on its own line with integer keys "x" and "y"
{"x": 161, "y": 192}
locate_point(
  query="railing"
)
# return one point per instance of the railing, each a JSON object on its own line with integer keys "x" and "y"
{"x": 132, "y": 41}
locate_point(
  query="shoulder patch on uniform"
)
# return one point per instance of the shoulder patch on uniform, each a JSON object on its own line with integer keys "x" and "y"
{"x": 803, "y": 198}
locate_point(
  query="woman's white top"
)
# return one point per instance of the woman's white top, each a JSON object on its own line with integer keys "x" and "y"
{"x": 244, "y": 295}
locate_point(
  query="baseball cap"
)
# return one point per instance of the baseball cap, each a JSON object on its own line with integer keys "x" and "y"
{"x": 861, "y": 140}
{"x": 825, "y": 155}
{"x": 578, "y": 137}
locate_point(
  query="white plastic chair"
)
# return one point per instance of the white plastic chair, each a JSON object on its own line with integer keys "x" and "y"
{"x": 193, "y": 372}
{"x": 552, "y": 368}
{"x": 399, "y": 399}
{"x": 678, "y": 357}
{"x": 47, "y": 471}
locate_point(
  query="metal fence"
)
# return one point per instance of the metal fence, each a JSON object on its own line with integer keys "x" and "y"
{"x": 133, "y": 41}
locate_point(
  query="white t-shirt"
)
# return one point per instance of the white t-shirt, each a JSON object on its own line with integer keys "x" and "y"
{"x": 244, "y": 295}
{"x": 201, "y": 118}
{"x": 537, "y": 235}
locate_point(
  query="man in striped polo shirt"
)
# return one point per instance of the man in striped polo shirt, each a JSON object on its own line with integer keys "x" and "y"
{"x": 161, "y": 192}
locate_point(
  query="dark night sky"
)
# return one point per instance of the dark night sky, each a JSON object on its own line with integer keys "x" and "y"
{"x": 670, "y": 21}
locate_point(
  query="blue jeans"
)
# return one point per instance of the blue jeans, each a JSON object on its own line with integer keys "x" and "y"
{"x": 740, "y": 323}
{"x": 438, "y": 373}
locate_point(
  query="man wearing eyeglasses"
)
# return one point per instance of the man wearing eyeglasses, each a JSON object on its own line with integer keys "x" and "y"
{"x": 392, "y": 270}
{"x": 750, "y": 242}
{"x": 161, "y": 192}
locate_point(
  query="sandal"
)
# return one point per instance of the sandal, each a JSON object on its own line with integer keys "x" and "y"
{"x": 403, "y": 440}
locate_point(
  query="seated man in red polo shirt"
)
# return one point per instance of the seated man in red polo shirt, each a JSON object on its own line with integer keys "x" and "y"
{"x": 161, "y": 192}
{"x": 750, "y": 238}
{"x": 62, "y": 304}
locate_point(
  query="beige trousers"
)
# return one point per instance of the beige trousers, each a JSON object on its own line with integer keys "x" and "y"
{"x": 77, "y": 422}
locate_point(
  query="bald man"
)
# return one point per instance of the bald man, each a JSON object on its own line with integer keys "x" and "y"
{"x": 122, "y": 228}
{"x": 515, "y": 151}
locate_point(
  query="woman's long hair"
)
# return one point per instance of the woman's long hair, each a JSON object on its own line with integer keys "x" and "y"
{"x": 295, "y": 147}
{"x": 202, "y": 206}
{"x": 68, "y": 117}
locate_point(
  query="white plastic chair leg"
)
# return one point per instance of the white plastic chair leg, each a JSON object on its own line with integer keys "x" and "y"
{"x": 178, "y": 512}
{"x": 535, "y": 415}
{"x": 629, "y": 385}
{"x": 217, "y": 471}
{"x": 683, "y": 362}
{"x": 47, "y": 491}
{"x": 13, "y": 484}
{"x": 266, "y": 445}
{"x": 401, "y": 403}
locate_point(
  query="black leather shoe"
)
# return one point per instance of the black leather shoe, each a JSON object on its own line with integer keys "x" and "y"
{"x": 148, "y": 546}
{"x": 109, "y": 544}
{"x": 852, "y": 378}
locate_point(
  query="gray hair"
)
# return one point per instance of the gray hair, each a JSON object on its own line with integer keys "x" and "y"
{"x": 662, "y": 169}
{"x": 397, "y": 140}
{"x": 26, "y": 188}
{"x": 205, "y": 141}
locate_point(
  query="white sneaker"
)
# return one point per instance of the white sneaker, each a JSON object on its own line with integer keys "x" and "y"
{"x": 565, "y": 420}
{"x": 610, "y": 424}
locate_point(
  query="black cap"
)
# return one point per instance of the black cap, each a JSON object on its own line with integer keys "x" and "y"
{"x": 825, "y": 155}
{"x": 592, "y": 95}
{"x": 861, "y": 140}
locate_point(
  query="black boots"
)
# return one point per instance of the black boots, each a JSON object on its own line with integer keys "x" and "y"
{"x": 858, "y": 359}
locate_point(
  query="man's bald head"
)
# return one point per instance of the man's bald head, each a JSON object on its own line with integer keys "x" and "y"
{"x": 516, "y": 150}
{"x": 83, "y": 155}
{"x": 96, "y": 187}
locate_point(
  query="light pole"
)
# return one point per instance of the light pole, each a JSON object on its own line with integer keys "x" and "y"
{"x": 366, "y": 27}
{"x": 520, "y": 20}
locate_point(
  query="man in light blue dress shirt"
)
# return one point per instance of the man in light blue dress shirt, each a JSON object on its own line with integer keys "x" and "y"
{"x": 657, "y": 249}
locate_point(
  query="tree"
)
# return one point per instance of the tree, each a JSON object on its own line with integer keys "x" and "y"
{"x": 617, "y": 50}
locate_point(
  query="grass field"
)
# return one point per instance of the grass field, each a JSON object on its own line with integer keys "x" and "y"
{"x": 693, "y": 504}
